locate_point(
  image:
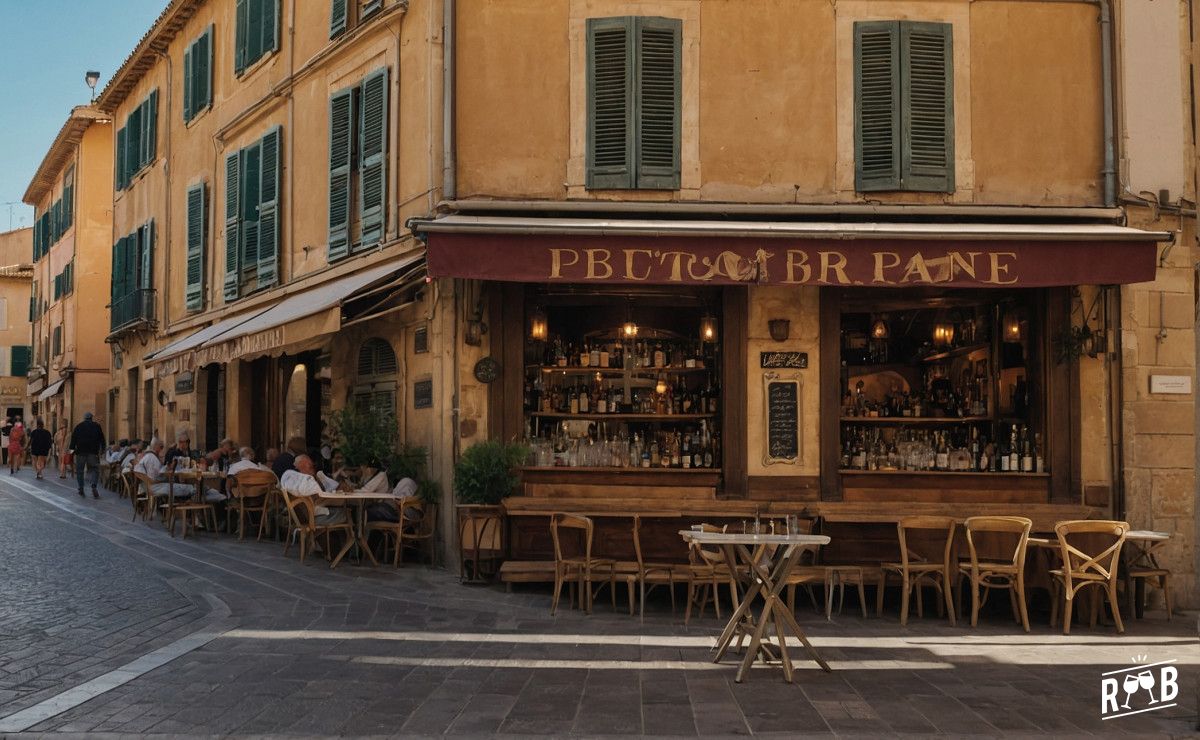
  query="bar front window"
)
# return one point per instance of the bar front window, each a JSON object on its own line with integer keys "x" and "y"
{"x": 943, "y": 382}
{"x": 623, "y": 381}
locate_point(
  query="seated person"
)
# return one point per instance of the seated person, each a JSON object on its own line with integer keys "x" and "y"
{"x": 246, "y": 462}
{"x": 385, "y": 511}
{"x": 181, "y": 449}
{"x": 306, "y": 480}
{"x": 150, "y": 465}
{"x": 286, "y": 460}
{"x": 131, "y": 456}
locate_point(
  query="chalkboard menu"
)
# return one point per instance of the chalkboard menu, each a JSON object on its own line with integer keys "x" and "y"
{"x": 423, "y": 394}
{"x": 782, "y": 418}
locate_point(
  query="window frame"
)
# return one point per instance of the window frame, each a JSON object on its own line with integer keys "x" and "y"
{"x": 250, "y": 19}
{"x": 200, "y": 49}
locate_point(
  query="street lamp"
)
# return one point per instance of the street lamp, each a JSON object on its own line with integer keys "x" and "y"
{"x": 91, "y": 77}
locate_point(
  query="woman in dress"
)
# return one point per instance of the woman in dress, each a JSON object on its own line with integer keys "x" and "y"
{"x": 40, "y": 443}
{"x": 16, "y": 448}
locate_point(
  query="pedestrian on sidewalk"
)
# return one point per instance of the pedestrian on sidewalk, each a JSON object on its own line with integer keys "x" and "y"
{"x": 40, "y": 443}
{"x": 4, "y": 432}
{"x": 87, "y": 442}
{"x": 16, "y": 447}
{"x": 61, "y": 438}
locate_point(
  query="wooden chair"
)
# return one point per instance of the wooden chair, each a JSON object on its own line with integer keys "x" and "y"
{"x": 422, "y": 532}
{"x": 1143, "y": 564}
{"x": 924, "y": 560}
{"x": 574, "y": 564}
{"x": 140, "y": 494}
{"x": 410, "y": 515}
{"x": 988, "y": 573}
{"x": 707, "y": 572}
{"x": 249, "y": 493}
{"x": 302, "y": 514}
{"x": 1080, "y": 568}
{"x": 653, "y": 575}
{"x": 480, "y": 538}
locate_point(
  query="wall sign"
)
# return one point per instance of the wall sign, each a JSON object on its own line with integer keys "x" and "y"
{"x": 1171, "y": 384}
{"x": 185, "y": 382}
{"x": 781, "y": 394}
{"x": 793, "y": 360}
{"x": 423, "y": 394}
{"x": 421, "y": 340}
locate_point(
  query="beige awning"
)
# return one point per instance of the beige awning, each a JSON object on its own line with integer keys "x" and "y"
{"x": 52, "y": 389}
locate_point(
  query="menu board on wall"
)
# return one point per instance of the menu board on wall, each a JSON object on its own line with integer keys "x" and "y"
{"x": 781, "y": 395}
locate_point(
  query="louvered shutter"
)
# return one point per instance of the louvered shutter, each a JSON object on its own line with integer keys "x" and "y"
{"x": 119, "y": 165}
{"x": 196, "y": 222}
{"x": 373, "y": 134}
{"x": 270, "y": 26}
{"x": 610, "y": 138}
{"x": 21, "y": 354}
{"x": 268, "y": 209}
{"x": 240, "y": 35}
{"x": 202, "y": 70}
{"x": 150, "y": 137}
{"x": 232, "y": 216}
{"x": 133, "y": 144}
{"x": 658, "y": 72}
{"x": 877, "y": 141}
{"x": 69, "y": 204}
{"x": 146, "y": 256}
{"x": 927, "y": 95}
{"x": 115, "y": 281}
{"x": 337, "y": 17}
{"x": 189, "y": 86}
{"x": 36, "y": 233}
{"x": 251, "y": 184}
{"x": 340, "y": 132}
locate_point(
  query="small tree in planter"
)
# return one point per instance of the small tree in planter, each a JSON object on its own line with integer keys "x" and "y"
{"x": 483, "y": 476}
{"x": 365, "y": 437}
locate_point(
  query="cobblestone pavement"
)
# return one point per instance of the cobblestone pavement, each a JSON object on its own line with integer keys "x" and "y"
{"x": 290, "y": 649}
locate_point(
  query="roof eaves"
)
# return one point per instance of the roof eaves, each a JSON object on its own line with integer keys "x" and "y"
{"x": 60, "y": 151}
{"x": 144, "y": 55}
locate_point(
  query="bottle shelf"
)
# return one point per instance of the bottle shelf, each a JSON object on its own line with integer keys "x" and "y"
{"x": 963, "y": 473}
{"x": 956, "y": 352}
{"x": 915, "y": 420}
{"x": 623, "y": 417}
{"x": 616, "y": 372}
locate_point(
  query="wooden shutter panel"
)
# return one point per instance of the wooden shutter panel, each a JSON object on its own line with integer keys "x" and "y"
{"x": 196, "y": 221}
{"x": 239, "y": 44}
{"x": 658, "y": 72}
{"x": 373, "y": 134}
{"x": 232, "y": 216}
{"x": 268, "y": 208}
{"x": 133, "y": 139}
{"x": 877, "y": 105}
{"x": 150, "y": 119}
{"x": 21, "y": 354}
{"x": 270, "y": 26}
{"x": 202, "y": 69}
{"x": 927, "y": 95}
{"x": 146, "y": 256}
{"x": 610, "y": 137}
{"x": 119, "y": 165}
{"x": 189, "y": 87}
{"x": 340, "y": 133}
{"x": 337, "y": 17}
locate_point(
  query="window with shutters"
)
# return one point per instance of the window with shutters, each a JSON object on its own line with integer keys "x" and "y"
{"x": 257, "y": 32}
{"x": 634, "y": 78}
{"x": 252, "y": 177}
{"x": 132, "y": 299}
{"x": 375, "y": 391}
{"x": 358, "y": 138}
{"x": 344, "y": 14}
{"x": 903, "y": 106}
{"x": 21, "y": 356}
{"x": 197, "y": 236}
{"x": 56, "y": 342}
{"x": 68, "y": 199}
{"x": 197, "y": 76}
{"x": 137, "y": 141}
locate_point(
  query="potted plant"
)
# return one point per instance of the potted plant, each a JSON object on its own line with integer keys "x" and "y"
{"x": 483, "y": 476}
{"x": 365, "y": 438}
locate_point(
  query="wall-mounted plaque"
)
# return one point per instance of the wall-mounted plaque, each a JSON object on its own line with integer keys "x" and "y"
{"x": 781, "y": 360}
{"x": 421, "y": 339}
{"x": 423, "y": 394}
{"x": 781, "y": 394}
{"x": 185, "y": 382}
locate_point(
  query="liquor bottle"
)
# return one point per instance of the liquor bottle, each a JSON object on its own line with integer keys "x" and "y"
{"x": 975, "y": 448}
{"x": 1027, "y": 463}
{"x": 685, "y": 453}
{"x": 942, "y": 457}
{"x": 660, "y": 357}
{"x": 714, "y": 396}
{"x": 603, "y": 357}
{"x": 1004, "y": 456}
{"x": 1039, "y": 462}
{"x": 601, "y": 399}
{"x": 676, "y": 455}
{"x": 594, "y": 356}
{"x": 648, "y": 452}
{"x": 1014, "y": 451}
{"x": 573, "y": 395}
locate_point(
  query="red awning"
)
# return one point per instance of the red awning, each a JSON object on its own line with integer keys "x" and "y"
{"x": 665, "y": 252}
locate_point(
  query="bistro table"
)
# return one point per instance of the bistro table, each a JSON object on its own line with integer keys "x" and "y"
{"x": 358, "y": 500}
{"x": 1144, "y": 545}
{"x": 198, "y": 505}
{"x": 763, "y": 572}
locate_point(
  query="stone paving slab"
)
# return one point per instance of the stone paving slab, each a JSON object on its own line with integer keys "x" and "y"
{"x": 359, "y": 651}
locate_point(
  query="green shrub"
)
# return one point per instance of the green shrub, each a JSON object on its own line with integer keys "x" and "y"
{"x": 365, "y": 437}
{"x": 486, "y": 473}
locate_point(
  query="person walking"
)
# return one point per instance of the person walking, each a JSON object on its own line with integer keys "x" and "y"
{"x": 16, "y": 447}
{"x": 4, "y": 432}
{"x": 61, "y": 438}
{"x": 40, "y": 443}
{"x": 87, "y": 442}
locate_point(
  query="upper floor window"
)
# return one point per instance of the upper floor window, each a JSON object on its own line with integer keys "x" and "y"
{"x": 634, "y": 73}
{"x": 21, "y": 355}
{"x": 340, "y": 13}
{"x": 197, "y": 238}
{"x": 64, "y": 282}
{"x": 358, "y": 134}
{"x": 903, "y": 106}
{"x": 133, "y": 278}
{"x": 197, "y": 76}
{"x": 375, "y": 391}
{"x": 257, "y": 32}
{"x": 252, "y": 216}
{"x": 136, "y": 140}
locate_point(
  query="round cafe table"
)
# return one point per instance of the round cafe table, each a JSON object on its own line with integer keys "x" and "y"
{"x": 762, "y": 562}
{"x": 358, "y": 500}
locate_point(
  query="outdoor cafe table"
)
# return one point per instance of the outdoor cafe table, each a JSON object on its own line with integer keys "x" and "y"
{"x": 358, "y": 500}
{"x": 763, "y": 572}
{"x": 196, "y": 477}
{"x": 1143, "y": 550}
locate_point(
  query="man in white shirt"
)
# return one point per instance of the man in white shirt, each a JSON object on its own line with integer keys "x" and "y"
{"x": 246, "y": 462}
{"x": 306, "y": 480}
{"x": 150, "y": 464}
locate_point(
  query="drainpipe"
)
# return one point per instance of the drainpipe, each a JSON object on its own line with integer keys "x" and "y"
{"x": 1109, "y": 173}
{"x": 165, "y": 234}
{"x": 449, "y": 153}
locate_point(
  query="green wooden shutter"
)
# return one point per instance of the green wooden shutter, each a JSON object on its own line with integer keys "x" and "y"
{"x": 337, "y": 17}
{"x": 115, "y": 279}
{"x": 189, "y": 87}
{"x": 372, "y": 176}
{"x": 927, "y": 95}
{"x": 657, "y": 74}
{"x": 240, "y": 35}
{"x": 340, "y": 133}
{"x": 270, "y": 26}
{"x": 232, "y": 222}
{"x": 194, "y": 292}
{"x": 21, "y": 355}
{"x": 133, "y": 144}
{"x": 202, "y": 98}
{"x": 877, "y": 142}
{"x": 150, "y": 118}
{"x": 69, "y": 204}
{"x": 36, "y": 233}
{"x": 268, "y": 208}
{"x": 119, "y": 165}
{"x": 610, "y": 138}
{"x": 146, "y": 256}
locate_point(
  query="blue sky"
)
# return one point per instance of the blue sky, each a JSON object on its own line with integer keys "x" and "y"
{"x": 46, "y": 46}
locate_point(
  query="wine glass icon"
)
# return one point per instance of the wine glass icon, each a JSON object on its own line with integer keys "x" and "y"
{"x": 1146, "y": 680}
{"x": 1130, "y": 685}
